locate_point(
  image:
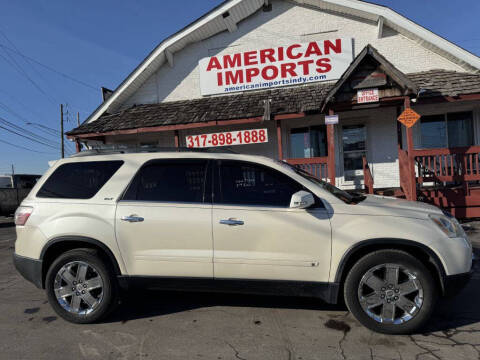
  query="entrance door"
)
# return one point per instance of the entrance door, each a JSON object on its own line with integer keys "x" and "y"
{"x": 164, "y": 221}
{"x": 258, "y": 236}
{"x": 354, "y": 148}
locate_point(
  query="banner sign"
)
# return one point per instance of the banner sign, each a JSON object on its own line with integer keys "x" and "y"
{"x": 367, "y": 96}
{"x": 272, "y": 67}
{"x": 239, "y": 137}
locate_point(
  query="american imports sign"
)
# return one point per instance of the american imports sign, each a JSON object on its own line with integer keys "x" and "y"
{"x": 272, "y": 67}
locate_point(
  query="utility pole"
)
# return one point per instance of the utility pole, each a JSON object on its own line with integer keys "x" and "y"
{"x": 15, "y": 185}
{"x": 78, "y": 146}
{"x": 61, "y": 130}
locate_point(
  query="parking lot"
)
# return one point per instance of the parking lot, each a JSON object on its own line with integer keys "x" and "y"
{"x": 158, "y": 325}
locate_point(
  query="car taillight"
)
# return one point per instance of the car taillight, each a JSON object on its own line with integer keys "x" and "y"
{"x": 22, "y": 214}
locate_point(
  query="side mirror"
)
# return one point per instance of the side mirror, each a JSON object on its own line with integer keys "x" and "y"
{"x": 302, "y": 200}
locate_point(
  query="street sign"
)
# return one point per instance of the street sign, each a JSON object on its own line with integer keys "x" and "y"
{"x": 408, "y": 117}
{"x": 331, "y": 119}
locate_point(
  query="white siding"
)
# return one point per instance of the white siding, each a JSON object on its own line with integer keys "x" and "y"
{"x": 285, "y": 24}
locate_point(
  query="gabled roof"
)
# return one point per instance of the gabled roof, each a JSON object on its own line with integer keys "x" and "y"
{"x": 406, "y": 84}
{"x": 213, "y": 23}
{"x": 287, "y": 100}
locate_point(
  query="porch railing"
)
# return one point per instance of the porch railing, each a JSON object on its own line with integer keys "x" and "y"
{"x": 447, "y": 164}
{"x": 317, "y": 166}
{"x": 367, "y": 176}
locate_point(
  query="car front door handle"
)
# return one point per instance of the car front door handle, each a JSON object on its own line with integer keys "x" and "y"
{"x": 132, "y": 218}
{"x": 231, "y": 222}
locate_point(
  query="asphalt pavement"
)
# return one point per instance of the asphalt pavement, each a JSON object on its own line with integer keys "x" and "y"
{"x": 160, "y": 325}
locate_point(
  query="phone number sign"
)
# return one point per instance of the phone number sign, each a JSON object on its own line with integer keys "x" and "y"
{"x": 240, "y": 137}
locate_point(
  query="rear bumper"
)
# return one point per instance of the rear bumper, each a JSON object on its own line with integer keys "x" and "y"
{"x": 30, "y": 269}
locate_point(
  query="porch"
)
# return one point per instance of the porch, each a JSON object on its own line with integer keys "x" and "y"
{"x": 447, "y": 177}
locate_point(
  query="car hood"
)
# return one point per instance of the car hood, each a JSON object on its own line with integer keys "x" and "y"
{"x": 392, "y": 206}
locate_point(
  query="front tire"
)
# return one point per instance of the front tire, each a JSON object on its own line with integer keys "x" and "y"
{"x": 391, "y": 292}
{"x": 80, "y": 286}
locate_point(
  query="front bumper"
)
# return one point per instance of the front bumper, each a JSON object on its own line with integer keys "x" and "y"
{"x": 30, "y": 269}
{"x": 453, "y": 284}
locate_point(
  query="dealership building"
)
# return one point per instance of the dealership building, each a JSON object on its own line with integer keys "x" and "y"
{"x": 350, "y": 91}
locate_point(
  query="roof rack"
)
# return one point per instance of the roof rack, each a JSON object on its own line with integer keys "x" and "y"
{"x": 151, "y": 149}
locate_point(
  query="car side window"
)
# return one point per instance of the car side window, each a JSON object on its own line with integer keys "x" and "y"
{"x": 181, "y": 180}
{"x": 244, "y": 183}
{"x": 78, "y": 180}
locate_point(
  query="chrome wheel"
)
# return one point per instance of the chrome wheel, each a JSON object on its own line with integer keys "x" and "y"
{"x": 390, "y": 293}
{"x": 78, "y": 287}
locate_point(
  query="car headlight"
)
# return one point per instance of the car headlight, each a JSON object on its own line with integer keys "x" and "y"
{"x": 448, "y": 224}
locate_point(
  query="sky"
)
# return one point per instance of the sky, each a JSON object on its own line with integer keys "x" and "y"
{"x": 56, "y": 52}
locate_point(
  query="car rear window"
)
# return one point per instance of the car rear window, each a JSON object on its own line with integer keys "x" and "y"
{"x": 81, "y": 180}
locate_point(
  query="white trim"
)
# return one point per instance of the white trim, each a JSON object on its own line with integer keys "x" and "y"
{"x": 157, "y": 52}
{"x": 380, "y": 27}
{"x": 169, "y": 56}
{"x": 399, "y": 22}
{"x": 353, "y": 7}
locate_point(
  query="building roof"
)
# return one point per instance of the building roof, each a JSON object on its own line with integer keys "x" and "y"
{"x": 403, "y": 81}
{"x": 214, "y": 22}
{"x": 287, "y": 100}
{"x": 446, "y": 83}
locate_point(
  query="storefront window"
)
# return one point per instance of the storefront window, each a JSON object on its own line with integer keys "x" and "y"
{"x": 460, "y": 129}
{"x": 308, "y": 142}
{"x": 446, "y": 130}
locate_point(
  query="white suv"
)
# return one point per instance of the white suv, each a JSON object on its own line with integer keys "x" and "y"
{"x": 96, "y": 224}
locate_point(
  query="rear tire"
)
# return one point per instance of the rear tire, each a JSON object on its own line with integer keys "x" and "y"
{"x": 81, "y": 287}
{"x": 390, "y": 292}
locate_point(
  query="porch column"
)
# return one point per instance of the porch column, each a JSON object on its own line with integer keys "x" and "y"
{"x": 411, "y": 159}
{"x": 177, "y": 141}
{"x": 331, "y": 150}
{"x": 78, "y": 146}
{"x": 279, "y": 140}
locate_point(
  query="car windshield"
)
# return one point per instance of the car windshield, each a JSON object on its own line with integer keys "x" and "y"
{"x": 5, "y": 182}
{"x": 340, "y": 194}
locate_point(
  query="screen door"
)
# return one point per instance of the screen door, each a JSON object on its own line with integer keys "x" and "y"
{"x": 354, "y": 148}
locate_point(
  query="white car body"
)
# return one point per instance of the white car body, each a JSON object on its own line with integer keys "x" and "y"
{"x": 187, "y": 240}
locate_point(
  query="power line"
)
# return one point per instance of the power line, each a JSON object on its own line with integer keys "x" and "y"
{"x": 27, "y": 137}
{"x": 69, "y": 77}
{"x": 5, "y": 107}
{"x": 22, "y": 104}
{"x": 28, "y": 132}
{"x": 24, "y": 148}
{"x": 50, "y": 130}
{"x": 22, "y": 72}
{"x": 43, "y": 128}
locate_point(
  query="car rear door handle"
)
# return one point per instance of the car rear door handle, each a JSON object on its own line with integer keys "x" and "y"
{"x": 132, "y": 218}
{"x": 231, "y": 222}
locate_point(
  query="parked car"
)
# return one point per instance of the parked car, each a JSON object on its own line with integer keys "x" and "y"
{"x": 13, "y": 189}
{"x": 95, "y": 224}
